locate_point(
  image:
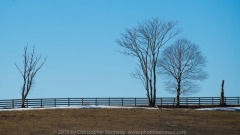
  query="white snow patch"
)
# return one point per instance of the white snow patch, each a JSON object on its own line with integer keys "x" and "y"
{"x": 236, "y": 109}
{"x": 74, "y": 107}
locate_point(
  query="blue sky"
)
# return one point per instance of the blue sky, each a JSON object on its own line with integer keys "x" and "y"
{"x": 78, "y": 37}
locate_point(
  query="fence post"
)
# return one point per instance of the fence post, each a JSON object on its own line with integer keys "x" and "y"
{"x": 109, "y": 101}
{"x": 173, "y": 101}
{"x": 122, "y": 101}
{"x": 135, "y": 101}
{"x": 96, "y": 101}
{"x": 41, "y": 103}
{"x": 199, "y": 102}
{"x": 55, "y": 102}
{"x": 187, "y": 101}
{"x": 82, "y": 101}
{"x": 225, "y": 101}
{"x": 27, "y": 102}
{"x": 212, "y": 100}
{"x": 238, "y": 100}
{"x": 68, "y": 102}
{"x": 161, "y": 101}
{"x": 12, "y": 103}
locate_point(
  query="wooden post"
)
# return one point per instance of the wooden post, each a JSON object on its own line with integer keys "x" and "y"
{"x": 187, "y": 101}
{"x": 96, "y": 101}
{"x": 55, "y": 104}
{"x": 82, "y": 101}
{"x": 12, "y": 103}
{"x": 225, "y": 100}
{"x": 122, "y": 101}
{"x": 109, "y": 101}
{"x": 238, "y": 100}
{"x": 222, "y": 101}
{"x": 68, "y": 102}
{"x": 212, "y": 100}
{"x": 135, "y": 101}
{"x": 173, "y": 101}
{"x": 199, "y": 102}
{"x": 41, "y": 103}
{"x": 161, "y": 101}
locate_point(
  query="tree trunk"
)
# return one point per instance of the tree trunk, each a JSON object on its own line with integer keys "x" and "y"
{"x": 154, "y": 85}
{"x": 222, "y": 102}
{"x": 150, "y": 103}
{"x": 23, "y": 101}
{"x": 151, "y": 94}
{"x": 178, "y": 94}
{"x": 178, "y": 104}
{"x": 147, "y": 89}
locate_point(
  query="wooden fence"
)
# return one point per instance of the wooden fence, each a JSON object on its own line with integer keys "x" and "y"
{"x": 161, "y": 101}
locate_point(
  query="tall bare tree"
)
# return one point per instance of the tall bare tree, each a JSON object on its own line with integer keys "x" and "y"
{"x": 182, "y": 63}
{"x": 29, "y": 71}
{"x": 144, "y": 42}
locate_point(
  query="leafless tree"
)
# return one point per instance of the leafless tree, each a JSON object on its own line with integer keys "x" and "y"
{"x": 29, "y": 71}
{"x": 144, "y": 42}
{"x": 182, "y": 64}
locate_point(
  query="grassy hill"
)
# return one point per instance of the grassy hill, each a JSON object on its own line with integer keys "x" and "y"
{"x": 109, "y": 121}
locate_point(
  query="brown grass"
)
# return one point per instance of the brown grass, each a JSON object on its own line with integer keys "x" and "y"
{"x": 64, "y": 121}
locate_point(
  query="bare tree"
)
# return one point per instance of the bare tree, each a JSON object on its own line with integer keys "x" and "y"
{"x": 182, "y": 63}
{"x": 144, "y": 42}
{"x": 29, "y": 71}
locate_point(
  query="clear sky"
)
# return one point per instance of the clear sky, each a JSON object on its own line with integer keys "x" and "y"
{"x": 78, "y": 37}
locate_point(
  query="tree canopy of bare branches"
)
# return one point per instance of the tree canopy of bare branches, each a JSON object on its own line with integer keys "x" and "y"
{"x": 182, "y": 64}
{"x": 144, "y": 42}
{"x": 30, "y": 69}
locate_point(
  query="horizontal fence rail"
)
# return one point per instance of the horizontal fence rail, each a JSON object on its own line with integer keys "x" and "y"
{"x": 160, "y": 101}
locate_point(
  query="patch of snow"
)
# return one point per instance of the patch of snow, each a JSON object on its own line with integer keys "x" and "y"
{"x": 74, "y": 107}
{"x": 236, "y": 109}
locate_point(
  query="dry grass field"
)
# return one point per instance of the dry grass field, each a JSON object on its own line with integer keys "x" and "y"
{"x": 109, "y": 121}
